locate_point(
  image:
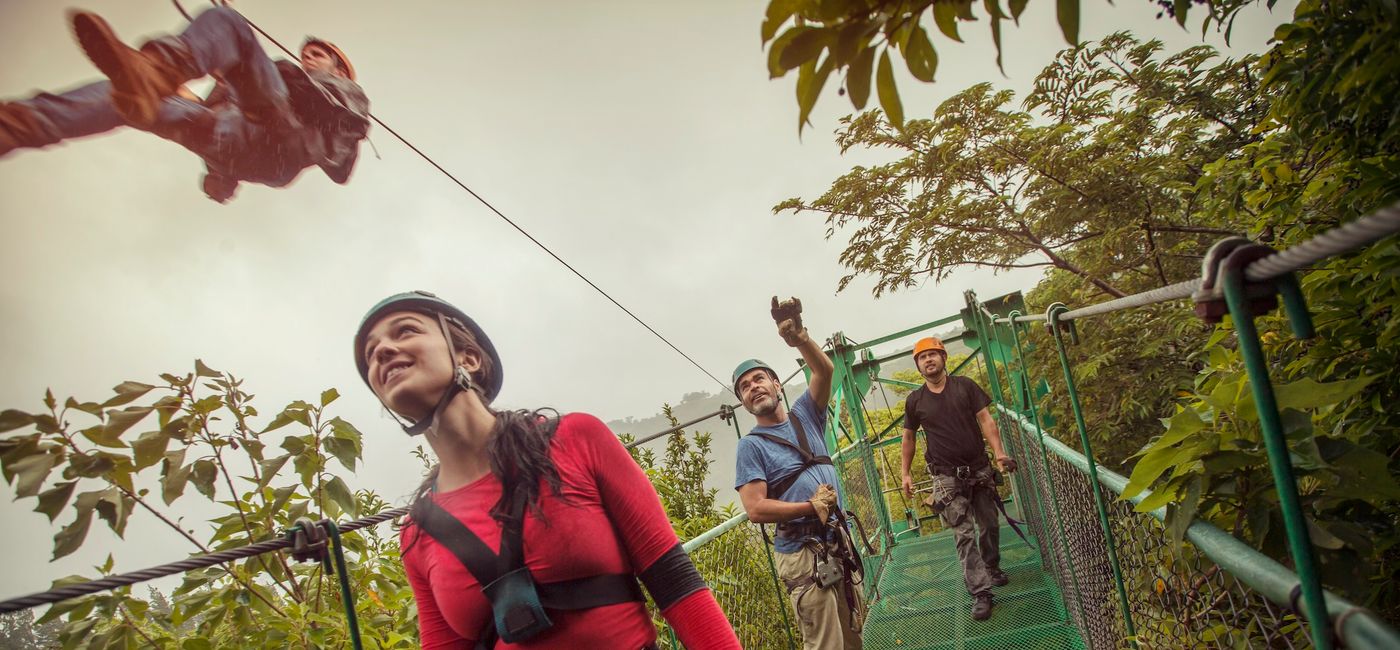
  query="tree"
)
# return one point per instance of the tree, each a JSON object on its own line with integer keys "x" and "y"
{"x": 830, "y": 36}
{"x": 203, "y": 437}
{"x": 1099, "y": 181}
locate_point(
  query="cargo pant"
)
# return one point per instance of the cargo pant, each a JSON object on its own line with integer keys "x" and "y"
{"x": 971, "y": 512}
{"x": 823, "y": 616}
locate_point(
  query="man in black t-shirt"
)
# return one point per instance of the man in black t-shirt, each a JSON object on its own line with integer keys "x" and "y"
{"x": 953, "y": 414}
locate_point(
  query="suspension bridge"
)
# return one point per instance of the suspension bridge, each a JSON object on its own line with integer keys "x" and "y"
{"x": 1095, "y": 572}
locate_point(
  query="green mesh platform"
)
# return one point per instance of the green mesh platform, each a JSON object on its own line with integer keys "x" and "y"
{"x": 920, "y": 601}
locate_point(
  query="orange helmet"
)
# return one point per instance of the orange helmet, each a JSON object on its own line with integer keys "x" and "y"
{"x": 930, "y": 343}
{"x": 344, "y": 60}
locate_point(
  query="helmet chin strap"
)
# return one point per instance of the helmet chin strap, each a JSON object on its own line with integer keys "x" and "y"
{"x": 461, "y": 381}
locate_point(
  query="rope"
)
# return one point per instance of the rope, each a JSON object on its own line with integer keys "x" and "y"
{"x": 514, "y": 225}
{"x": 1342, "y": 239}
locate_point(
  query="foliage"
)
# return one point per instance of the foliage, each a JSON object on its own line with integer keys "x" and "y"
{"x": 19, "y": 632}
{"x": 821, "y": 37}
{"x": 679, "y": 478}
{"x": 1095, "y": 178}
{"x": 203, "y": 436}
{"x": 1328, "y": 153}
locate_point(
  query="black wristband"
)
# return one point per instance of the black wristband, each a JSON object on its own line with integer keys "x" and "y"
{"x": 672, "y": 577}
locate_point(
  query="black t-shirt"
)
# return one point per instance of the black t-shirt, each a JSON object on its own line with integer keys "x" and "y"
{"x": 949, "y": 420}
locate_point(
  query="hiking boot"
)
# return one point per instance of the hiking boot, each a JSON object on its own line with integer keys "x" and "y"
{"x": 982, "y": 607}
{"x": 140, "y": 80}
{"x": 999, "y": 578}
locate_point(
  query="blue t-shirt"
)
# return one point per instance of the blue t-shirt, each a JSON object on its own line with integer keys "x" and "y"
{"x": 758, "y": 459}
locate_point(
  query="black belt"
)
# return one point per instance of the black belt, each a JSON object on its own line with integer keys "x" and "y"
{"x": 956, "y": 471}
{"x": 797, "y": 530}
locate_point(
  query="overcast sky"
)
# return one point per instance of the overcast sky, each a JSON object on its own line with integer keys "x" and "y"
{"x": 642, "y": 141}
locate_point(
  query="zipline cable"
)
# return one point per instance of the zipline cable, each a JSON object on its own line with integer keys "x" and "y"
{"x": 508, "y": 220}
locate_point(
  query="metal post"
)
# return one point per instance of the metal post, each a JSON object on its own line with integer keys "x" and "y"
{"x": 842, "y": 355}
{"x": 347, "y": 597}
{"x": 1045, "y": 462}
{"x": 1053, "y": 316}
{"x": 1299, "y": 544}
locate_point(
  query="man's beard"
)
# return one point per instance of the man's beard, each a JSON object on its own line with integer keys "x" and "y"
{"x": 763, "y": 408}
{"x": 935, "y": 376}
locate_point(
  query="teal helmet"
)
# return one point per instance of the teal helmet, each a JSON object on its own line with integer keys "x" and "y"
{"x": 427, "y": 303}
{"x": 747, "y": 365}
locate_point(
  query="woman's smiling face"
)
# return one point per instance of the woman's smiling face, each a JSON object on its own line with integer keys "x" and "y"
{"x": 409, "y": 362}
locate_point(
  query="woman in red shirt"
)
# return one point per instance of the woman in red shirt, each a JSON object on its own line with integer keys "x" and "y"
{"x": 591, "y": 520}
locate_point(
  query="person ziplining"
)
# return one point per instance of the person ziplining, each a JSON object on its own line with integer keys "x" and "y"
{"x": 264, "y": 123}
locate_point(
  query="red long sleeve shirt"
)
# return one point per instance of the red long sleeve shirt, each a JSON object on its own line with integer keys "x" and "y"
{"x": 610, "y": 520}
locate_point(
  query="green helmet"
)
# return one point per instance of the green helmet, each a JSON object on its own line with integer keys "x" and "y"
{"x": 427, "y": 303}
{"x": 746, "y": 366}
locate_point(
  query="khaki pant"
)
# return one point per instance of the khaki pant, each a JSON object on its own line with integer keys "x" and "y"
{"x": 825, "y": 619}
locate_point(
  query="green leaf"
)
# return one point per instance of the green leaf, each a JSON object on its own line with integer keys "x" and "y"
{"x": 173, "y": 476}
{"x": 779, "y": 11}
{"x": 920, "y": 56}
{"x": 1321, "y": 537}
{"x": 203, "y": 474}
{"x": 148, "y": 449}
{"x": 101, "y": 436}
{"x": 71, "y": 537}
{"x": 201, "y": 370}
{"x": 53, "y": 500}
{"x": 858, "y": 77}
{"x": 127, "y": 391}
{"x": 803, "y": 48}
{"x": 809, "y": 88}
{"x": 91, "y": 408}
{"x": 119, "y": 421}
{"x": 269, "y": 468}
{"x": 1305, "y": 394}
{"x": 1158, "y": 460}
{"x": 113, "y": 507}
{"x": 1067, "y": 11}
{"x": 945, "y": 15}
{"x": 1180, "y": 7}
{"x": 340, "y": 493}
{"x": 31, "y": 471}
{"x": 11, "y": 419}
{"x": 329, "y": 395}
{"x": 889, "y": 94}
{"x": 346, "y": 451}
{"x": 994, "y": 11}
{"x": 775, "y": 51}
{"x": 1018, "y": 6}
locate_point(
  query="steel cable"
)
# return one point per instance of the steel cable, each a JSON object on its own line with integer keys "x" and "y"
{"x": 202, "y": 561}
{"x": 508, "y": 220}
{"x": 1342, "y": 239}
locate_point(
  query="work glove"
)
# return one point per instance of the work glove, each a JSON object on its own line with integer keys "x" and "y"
{"x": 823, "y": 501}
{"x": 788, "y": 315}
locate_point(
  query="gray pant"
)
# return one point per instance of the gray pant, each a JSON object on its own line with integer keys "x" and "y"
{"x": 978, "y": 546}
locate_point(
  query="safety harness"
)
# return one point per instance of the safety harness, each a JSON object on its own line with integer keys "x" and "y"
{"x": 963, "y": 479}
{"x": 825, "y": 572}
{"x": 518, "y": 603}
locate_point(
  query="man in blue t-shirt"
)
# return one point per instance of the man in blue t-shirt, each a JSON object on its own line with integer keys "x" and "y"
{"x": 776, "y": 486}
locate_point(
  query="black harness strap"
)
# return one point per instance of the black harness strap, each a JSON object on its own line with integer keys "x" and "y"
{"x": 580, "y": 593}
{"x": 778, "y": 488}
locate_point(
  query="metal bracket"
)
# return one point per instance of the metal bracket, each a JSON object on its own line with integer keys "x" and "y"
{"x": 309, "y": 541}
{"x": 1053, "y": 322}
{"x": 1238, "y": 252}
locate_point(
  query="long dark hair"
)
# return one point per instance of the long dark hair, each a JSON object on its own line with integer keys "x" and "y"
{"x": 518, "y": 451}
